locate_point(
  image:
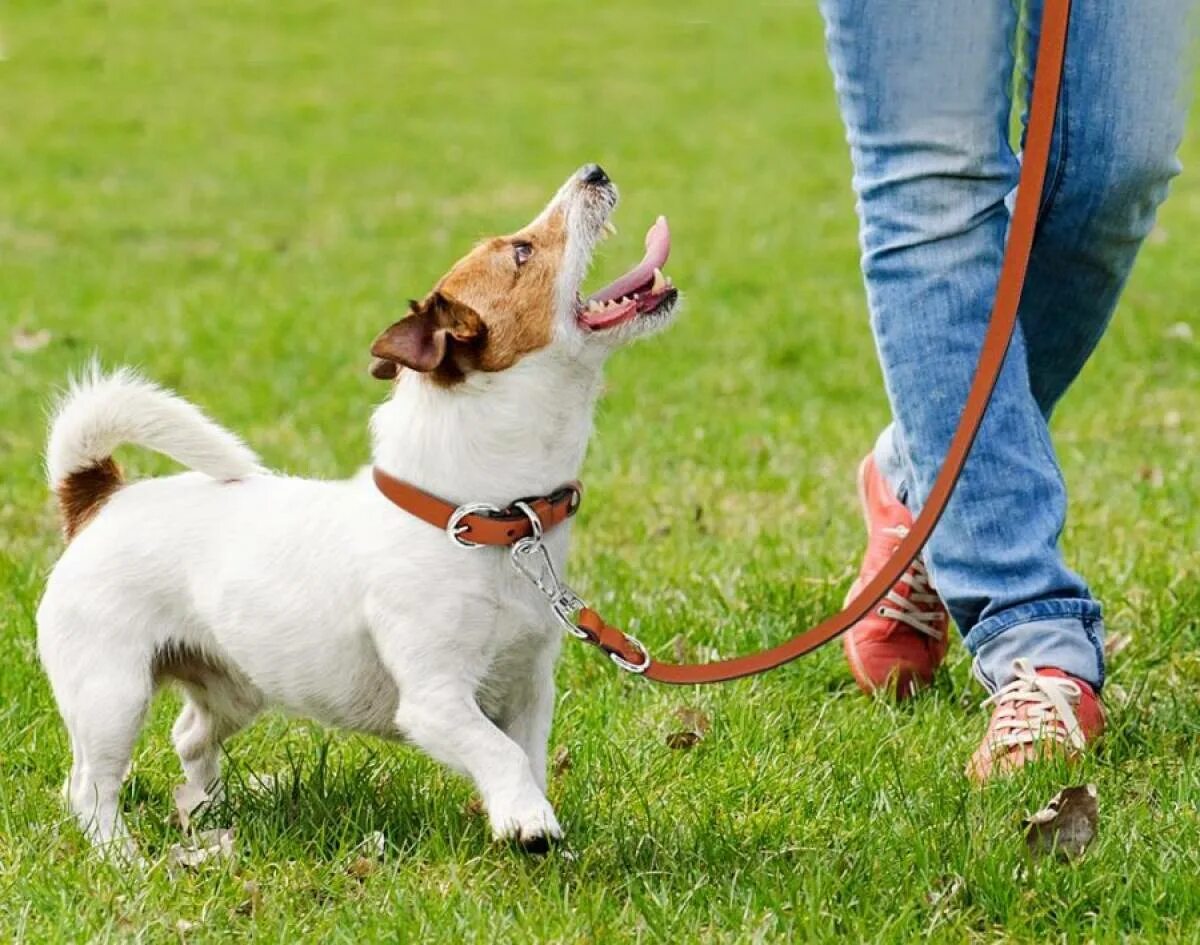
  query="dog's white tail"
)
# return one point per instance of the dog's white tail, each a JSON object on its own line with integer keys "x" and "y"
{"x": 101, "y": 412}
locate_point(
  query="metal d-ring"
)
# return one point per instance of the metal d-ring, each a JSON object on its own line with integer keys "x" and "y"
{"x": 636, "y": 668}
{"x": 535, "y": 521}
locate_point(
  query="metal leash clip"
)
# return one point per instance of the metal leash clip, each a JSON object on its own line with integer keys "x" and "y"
{"x": 532, "y": 559}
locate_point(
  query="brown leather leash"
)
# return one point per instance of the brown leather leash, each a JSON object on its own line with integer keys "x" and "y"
{"x": 520, "y": 526}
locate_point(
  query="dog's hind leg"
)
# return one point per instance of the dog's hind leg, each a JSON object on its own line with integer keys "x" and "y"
{"x": 104, "y": 715}
{"x": 198, "y": 745}
{"x": 198, "y": 734}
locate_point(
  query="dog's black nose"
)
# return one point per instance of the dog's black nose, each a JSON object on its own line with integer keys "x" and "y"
{"x": 594, "y": 174}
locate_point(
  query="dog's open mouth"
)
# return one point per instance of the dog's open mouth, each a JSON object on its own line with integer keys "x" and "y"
{"x": 643, "y": 290}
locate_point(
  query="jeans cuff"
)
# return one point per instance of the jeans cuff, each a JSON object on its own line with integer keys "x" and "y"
{"x": 1067, "y": 634}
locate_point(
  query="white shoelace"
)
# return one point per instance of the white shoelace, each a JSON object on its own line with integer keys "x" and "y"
{"x": 1050, "y": 710}
{"x": 907, "y": 610}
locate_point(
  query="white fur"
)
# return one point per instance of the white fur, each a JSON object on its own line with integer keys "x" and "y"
{"x": 99, "y": 413}
{"x": 322, "y": 598}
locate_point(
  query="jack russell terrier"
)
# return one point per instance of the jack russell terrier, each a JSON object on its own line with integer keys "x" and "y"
{"x": 252, "y": 590}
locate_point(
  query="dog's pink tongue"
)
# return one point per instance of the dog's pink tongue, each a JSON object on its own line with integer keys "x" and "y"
{"x": 658, "y": 248}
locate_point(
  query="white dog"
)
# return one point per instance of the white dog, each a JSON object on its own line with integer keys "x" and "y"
{"x": 252, "y": 590}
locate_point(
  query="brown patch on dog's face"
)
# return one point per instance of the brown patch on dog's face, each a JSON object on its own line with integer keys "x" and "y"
{"x": 82, "y": 493}
{"x": 497, "y": 304}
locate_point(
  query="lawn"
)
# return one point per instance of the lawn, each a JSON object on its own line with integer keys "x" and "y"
{"x": 237, "y": 197}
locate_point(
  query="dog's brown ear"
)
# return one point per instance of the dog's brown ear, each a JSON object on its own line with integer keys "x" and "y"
{"x": 423, "y": 339}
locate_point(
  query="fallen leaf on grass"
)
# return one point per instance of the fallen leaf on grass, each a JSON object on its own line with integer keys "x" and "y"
{"x": 562, "y": 760}
{"x": 695, "y": 727}
{"x": 474, "y": 808}
{"x": 1065, "y": 826}
{"x": 252, "y": 904}
{"x": 27, "y": 341}
{"x": 207, "y": 846}
{"x": 366, "y": 855}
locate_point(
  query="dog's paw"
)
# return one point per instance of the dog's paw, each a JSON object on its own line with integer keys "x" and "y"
{"x": 532, "y": 827}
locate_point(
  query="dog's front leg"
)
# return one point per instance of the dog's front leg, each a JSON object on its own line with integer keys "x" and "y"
{"x": 531, "y": 710}
{"x": 437, "y": 678}
{"x": 443, "y": 718}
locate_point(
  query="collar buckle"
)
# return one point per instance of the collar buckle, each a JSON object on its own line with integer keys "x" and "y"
{"x": 455, "y": 529}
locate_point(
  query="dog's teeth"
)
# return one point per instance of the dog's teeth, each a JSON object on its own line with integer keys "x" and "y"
{"x": 660, "y": 282}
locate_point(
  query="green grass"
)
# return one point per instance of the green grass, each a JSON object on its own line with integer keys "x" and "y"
{"x": 238, "y": 196}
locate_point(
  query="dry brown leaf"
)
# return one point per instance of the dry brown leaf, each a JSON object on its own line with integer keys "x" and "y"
{"x": 1065, "y": 826}
{"x": 362, "y": 866}
{"x": 474, "y": 808}
{"x": 695, "y": 726}
{"x": 208, "y": 846}
{"x": 252, "y": 904}
{"x": 562, "y": 761}
{"x": 27, "y": 341}
{"x": 366, "y": 856}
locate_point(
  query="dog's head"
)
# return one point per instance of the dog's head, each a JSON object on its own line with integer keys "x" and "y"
{"x": 515, "y": 295}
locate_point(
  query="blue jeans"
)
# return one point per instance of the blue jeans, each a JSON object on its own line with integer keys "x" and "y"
{"x": 925, "y": 92}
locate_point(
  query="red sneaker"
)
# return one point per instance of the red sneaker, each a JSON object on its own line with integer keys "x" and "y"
{"x": 902, "y": 643}
{"x": 1041, "y": 713}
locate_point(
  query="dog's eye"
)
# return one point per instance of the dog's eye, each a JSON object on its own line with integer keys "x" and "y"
{"x": 522, "y": 252}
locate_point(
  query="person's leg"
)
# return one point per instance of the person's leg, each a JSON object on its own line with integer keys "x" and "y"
{"x": 1119, "y": 126}
{"x": 924, "y": 89}
{"x": 1120, "y": 122}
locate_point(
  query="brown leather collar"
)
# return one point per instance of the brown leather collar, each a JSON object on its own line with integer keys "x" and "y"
{"x": 480, "y": 524}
